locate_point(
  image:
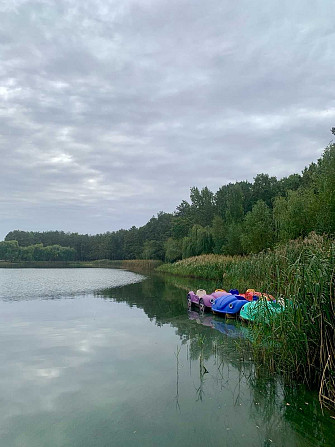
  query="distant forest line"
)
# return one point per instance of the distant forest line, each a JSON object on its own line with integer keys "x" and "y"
{"x": 240, "y": 218}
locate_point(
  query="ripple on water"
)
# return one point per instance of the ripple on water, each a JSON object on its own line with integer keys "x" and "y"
{"x": 27, "y": 284}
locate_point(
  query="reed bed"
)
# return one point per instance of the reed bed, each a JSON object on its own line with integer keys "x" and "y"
{"x": 135, "y": 265}
{"x": 300, "y": 342}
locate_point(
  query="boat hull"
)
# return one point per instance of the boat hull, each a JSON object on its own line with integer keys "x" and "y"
{"x": 229, "y": 305}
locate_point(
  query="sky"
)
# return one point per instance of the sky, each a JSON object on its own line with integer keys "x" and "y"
{"x": 111, "y": 110}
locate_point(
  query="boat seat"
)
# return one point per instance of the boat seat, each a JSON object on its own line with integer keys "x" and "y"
{"x": 201, "y": 293}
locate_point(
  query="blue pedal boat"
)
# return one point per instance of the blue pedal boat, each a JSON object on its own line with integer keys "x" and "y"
{"x": 229, "y": 304}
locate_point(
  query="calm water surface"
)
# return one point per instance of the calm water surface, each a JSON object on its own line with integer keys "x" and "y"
{"x": 102, "y": 357}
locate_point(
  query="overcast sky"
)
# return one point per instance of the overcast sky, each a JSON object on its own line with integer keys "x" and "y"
{"x": 110, "y": 110}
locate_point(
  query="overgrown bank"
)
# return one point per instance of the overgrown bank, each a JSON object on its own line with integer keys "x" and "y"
{"x": 300, "y": 342}
{"x": 135, "y": 265}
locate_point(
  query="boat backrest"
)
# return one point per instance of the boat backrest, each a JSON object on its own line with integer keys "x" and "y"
{"x": 201, "y": 293}
{"x": 233, "y": 291}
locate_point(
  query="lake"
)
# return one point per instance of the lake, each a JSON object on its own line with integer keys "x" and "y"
{"x": 105, "y": 357}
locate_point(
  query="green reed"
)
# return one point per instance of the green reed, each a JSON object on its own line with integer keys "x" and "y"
{"x": 136, "y": 265}
{"x": 300, "y": 342}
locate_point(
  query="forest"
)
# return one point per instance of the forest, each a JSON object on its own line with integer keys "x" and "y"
{"x": 239, "y": 218}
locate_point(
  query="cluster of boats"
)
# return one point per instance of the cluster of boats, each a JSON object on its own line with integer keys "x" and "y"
{"x": 249, "y": 306}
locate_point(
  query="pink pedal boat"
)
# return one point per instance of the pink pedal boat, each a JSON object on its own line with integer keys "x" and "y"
{"x": 202, "y": 299}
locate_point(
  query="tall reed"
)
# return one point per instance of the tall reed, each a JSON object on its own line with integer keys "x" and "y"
{"x": 136, "y": 265}
{"x": 300, "y": 342}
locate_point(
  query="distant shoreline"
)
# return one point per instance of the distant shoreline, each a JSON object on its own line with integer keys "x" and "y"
{"x": 135, "y": 265}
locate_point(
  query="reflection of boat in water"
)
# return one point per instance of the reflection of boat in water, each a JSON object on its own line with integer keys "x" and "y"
{"x": 231, "y": 329}
{"x": 200, "y": 318}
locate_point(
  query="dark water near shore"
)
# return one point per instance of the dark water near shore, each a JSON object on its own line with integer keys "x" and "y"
{"x": 102, "y": 357}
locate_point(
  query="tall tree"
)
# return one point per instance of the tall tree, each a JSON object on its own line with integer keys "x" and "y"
{"x": 229, "y": 201}
{"x": 265, "y": 188}
{"x": 218, "y": 234}
{"x": 202, "y": 205}
{"x": 258, "y": 228}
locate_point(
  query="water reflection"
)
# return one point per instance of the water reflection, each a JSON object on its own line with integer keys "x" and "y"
{"x": 129, "y": 366}
{"x": 222, "y": 353}
{"x": 228, "y": 327}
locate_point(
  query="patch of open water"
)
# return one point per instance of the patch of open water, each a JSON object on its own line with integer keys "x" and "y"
{"x": 118, "y": 360}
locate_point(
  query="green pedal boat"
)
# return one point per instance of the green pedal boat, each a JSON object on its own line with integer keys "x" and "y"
{"x": 261, "y": 310}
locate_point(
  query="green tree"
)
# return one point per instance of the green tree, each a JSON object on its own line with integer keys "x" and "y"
{"x": 198, "y": 242}
{"x": 290, "y": 183}
{"x": 9, "y": 251}
{"x": 173, "y": 250}
{"x": 27, "y": 253}
{"x": 325, "y": 184}
{"x": 258, "y": 228}
{"x": 218, "y": 234}
{"x": 132, "y": 244}
{"x": 233, "y": 245}
{"x": 202, "y": 206}
{"x": 229, "y": 202}
{"x": 295, "y": 215}
{"x": 265, "y": 188}
{"x": 153, "y": 250}
{"x": 181, "y": 226}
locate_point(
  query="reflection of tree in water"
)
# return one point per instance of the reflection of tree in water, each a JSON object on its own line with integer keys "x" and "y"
{"x": 217, "y": 356}
{"x": 305, "y": 416}
{"x": 158, "y": 300}
{"x": 278, "y": 410}
{"x": 266, "y": 406}
{"x": 163, "y": 299}
{"x": 275, "y": 404}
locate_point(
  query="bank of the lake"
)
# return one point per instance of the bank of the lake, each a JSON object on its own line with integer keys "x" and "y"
{"x": 136, "y": 265}
{"x": 300, "y": 342}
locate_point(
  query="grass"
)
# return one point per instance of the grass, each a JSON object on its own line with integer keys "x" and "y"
{"x": 135, "y": 265}
{"x": 300, "y": 342}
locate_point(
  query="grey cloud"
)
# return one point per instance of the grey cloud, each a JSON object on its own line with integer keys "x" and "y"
{"x": 114, "y": 109}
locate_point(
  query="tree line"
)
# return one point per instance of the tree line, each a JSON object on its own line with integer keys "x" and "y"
{"x": 11, "y": 251}
{"x": 240, "y": 218}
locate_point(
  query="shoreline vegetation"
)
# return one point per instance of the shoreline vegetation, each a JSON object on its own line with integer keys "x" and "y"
{"x": 300, "y": 342}
{"x": 136, "y": 265}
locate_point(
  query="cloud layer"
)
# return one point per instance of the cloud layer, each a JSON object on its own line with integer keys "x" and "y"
{"x": 110, "y": 111}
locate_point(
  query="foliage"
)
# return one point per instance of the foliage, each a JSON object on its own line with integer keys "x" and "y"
{"x": 240, "y": 218}
{"x": 153, "y": 250}
{"x": 218, "y": 234}
{"x": 229, "y": 201}
{"x": 202, "y": 206}
{"x": 173, "y": 250}
{"x": 325, "y": 185}
{"x": 11, "y": 251}
{"x": 296, "y": 214}
{"x": 198, "y": 242}
{"x": 257, "y": 230}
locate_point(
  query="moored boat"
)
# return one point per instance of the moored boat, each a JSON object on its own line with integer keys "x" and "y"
{"x": 229, "y": 304}
{"x": 261, "y": 310}
{"x": 202, "y": 299}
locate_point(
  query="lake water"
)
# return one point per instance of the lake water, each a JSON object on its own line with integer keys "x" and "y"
{"x": 103, "y": 357}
